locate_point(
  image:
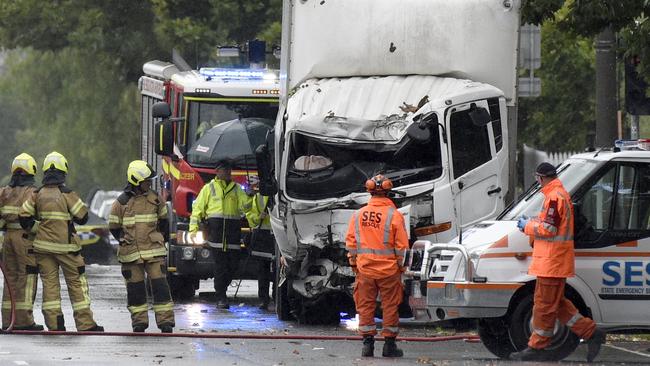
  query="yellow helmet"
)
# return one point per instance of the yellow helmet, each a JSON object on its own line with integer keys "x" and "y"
{"x": 139, "y": 171}
{"x": 25, "y": 162}
{"x": 56, "y": 161}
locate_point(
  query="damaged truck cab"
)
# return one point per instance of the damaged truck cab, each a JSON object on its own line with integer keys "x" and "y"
{"x": 402, "y": 91}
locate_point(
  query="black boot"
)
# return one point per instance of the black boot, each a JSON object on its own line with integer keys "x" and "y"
{"x": 368, "y": 349}
{"x": 390, "y": 348}
{"x": 34, "y": 327}
{"x": 593, "y": 344}
{"x": 166, "y": 329}
{"x": 139, "y": 328}
{"x": 529, "y": 354}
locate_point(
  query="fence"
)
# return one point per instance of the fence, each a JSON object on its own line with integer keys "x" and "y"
{"x": 533, "y": 157}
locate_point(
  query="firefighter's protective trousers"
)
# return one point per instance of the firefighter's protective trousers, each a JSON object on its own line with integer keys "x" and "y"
{"x": 22, "y": 275}
{"x": 18, "y": 258}
{"x": 57, "y": 246}
{"x": 134, "y": 221}
{"x": 550, "y": 304}
{"x": 74, "y": 272}
{"x": 376, "y": 242}
{"x": 134, "y": 276}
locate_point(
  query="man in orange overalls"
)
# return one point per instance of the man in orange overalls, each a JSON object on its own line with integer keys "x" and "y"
{"x": 376, "y": 242}
{"x": 553, "y": 262}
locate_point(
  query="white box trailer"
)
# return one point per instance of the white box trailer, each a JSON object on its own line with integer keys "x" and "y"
{"x": 421, "y": 91}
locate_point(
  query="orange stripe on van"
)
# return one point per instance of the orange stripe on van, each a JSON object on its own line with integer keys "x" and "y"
{"x": 577, "y": 254}
{"x": 629, "y": 244}
{"x": 435, "y": 285}
{"x": 612, "y": 254}
{"x": 501, "y": 243}
{"x": 488, "y": 286}
{"x": 506, "y": 254}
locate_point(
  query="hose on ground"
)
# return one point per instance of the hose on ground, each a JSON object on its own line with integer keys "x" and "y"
{"x": 11, "y": 298}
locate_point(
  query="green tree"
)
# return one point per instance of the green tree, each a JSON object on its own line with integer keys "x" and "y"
{"x": 560, "y": 118}
{"x": 196, "y": 27}
{"x": 629, "y": 18}
{"x": 74, "y": 104}
{"x": 121, "y": 29}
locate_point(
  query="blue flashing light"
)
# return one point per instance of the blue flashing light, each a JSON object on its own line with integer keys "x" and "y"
{"x": 246, "y": 74}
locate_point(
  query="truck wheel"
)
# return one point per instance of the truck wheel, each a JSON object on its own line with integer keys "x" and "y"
{"x": 182, "y": 287}
{"x": 563, "y": 343}
{"x": 282, "y": 305}
{"x": 494, "y": 335}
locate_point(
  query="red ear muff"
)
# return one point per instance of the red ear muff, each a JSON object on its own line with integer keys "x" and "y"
{"x": 386, "y": 184}
{"x": 371, "y": 185}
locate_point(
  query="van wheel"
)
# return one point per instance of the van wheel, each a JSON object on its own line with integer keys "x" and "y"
{"x": 563, "y": 343}
{"x": 494, "y": 335}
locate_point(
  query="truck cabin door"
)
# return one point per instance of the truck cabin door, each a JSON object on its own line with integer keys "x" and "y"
{"x": 475, "y": 171}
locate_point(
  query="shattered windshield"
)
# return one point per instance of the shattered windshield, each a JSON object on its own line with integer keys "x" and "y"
{"x": 320, "y": 169}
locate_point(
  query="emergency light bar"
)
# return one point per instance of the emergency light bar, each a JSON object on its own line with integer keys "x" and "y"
{"x": 237, "y": 73}
{"x": 640, "y": 144}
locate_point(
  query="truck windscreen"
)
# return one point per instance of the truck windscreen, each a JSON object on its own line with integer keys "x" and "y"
{"x": 202, "y": 115}
{"x": 320, "y": 168}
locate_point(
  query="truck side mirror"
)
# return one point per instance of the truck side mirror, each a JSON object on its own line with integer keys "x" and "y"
{"x": 164, "y": 137}
{"x": 421, "y": 128}
{"x": 268, "y": 185}
{"x": 479, "y": 116}
{"x": 161, "y": 110}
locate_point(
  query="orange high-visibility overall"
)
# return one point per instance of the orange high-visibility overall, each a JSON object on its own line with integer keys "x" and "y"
{"x": 376, "y": 243}
{"x": 553, "y": 262}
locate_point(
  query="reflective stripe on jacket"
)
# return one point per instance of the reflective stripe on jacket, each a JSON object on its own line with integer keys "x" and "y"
{"x": 376, "y": 239}
{"x": 11, "y": 201}
{"x": 552, "y": 231}
{"x": 55, "y": 210}
{"x": 222, "y": 206}
{"x": 259, "y": 204}
{"x": 138, "y": 219}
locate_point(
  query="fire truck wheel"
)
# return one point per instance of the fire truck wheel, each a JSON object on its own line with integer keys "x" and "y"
{"x": 182, "y": 287}
{"x": 563, "y": 343}
{"x": 494, "y": 335}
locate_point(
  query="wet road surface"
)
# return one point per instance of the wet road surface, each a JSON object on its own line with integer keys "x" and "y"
{"x": 199, "y": 316}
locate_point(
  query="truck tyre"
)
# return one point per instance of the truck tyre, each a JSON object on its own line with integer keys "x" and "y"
{"x": 282, "y": 305}
{"x": 494, "y": 335}
{"x": 564, "y": 342}
{"x": 182, "y": 287}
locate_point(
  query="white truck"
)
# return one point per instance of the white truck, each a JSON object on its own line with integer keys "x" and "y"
{"x": 422, "y": 91}
{"x": 484, "y": 274}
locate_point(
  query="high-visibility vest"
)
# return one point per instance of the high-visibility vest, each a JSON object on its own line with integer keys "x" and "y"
{"x": 11, "y": 201}
{"x": 259, "y": 205}
{"x": 55, "y": 207}
{"x": 376, "y": 239}
{"x": 222, "y": 205}
{"x": 138, "y": 217}
{"x": 552, "y": 232}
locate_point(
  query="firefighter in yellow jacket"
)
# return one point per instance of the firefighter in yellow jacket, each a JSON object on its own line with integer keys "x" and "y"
{"x": 18, "y": 253}
{"x": 221, "y": 203}
{"x": 56, "y": 207}
{"x": 138, "y": 220}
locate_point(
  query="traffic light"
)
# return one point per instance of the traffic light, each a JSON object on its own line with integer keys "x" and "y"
{"x": 636, "y": 101}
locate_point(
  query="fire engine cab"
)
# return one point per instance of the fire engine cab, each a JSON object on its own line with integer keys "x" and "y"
{"x": 185, "y": 147}
{"x": 483, "y": 273}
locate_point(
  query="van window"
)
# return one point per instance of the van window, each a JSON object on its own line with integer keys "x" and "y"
{"x": 470, "y": 144}
{"x": 614, "y": 207}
